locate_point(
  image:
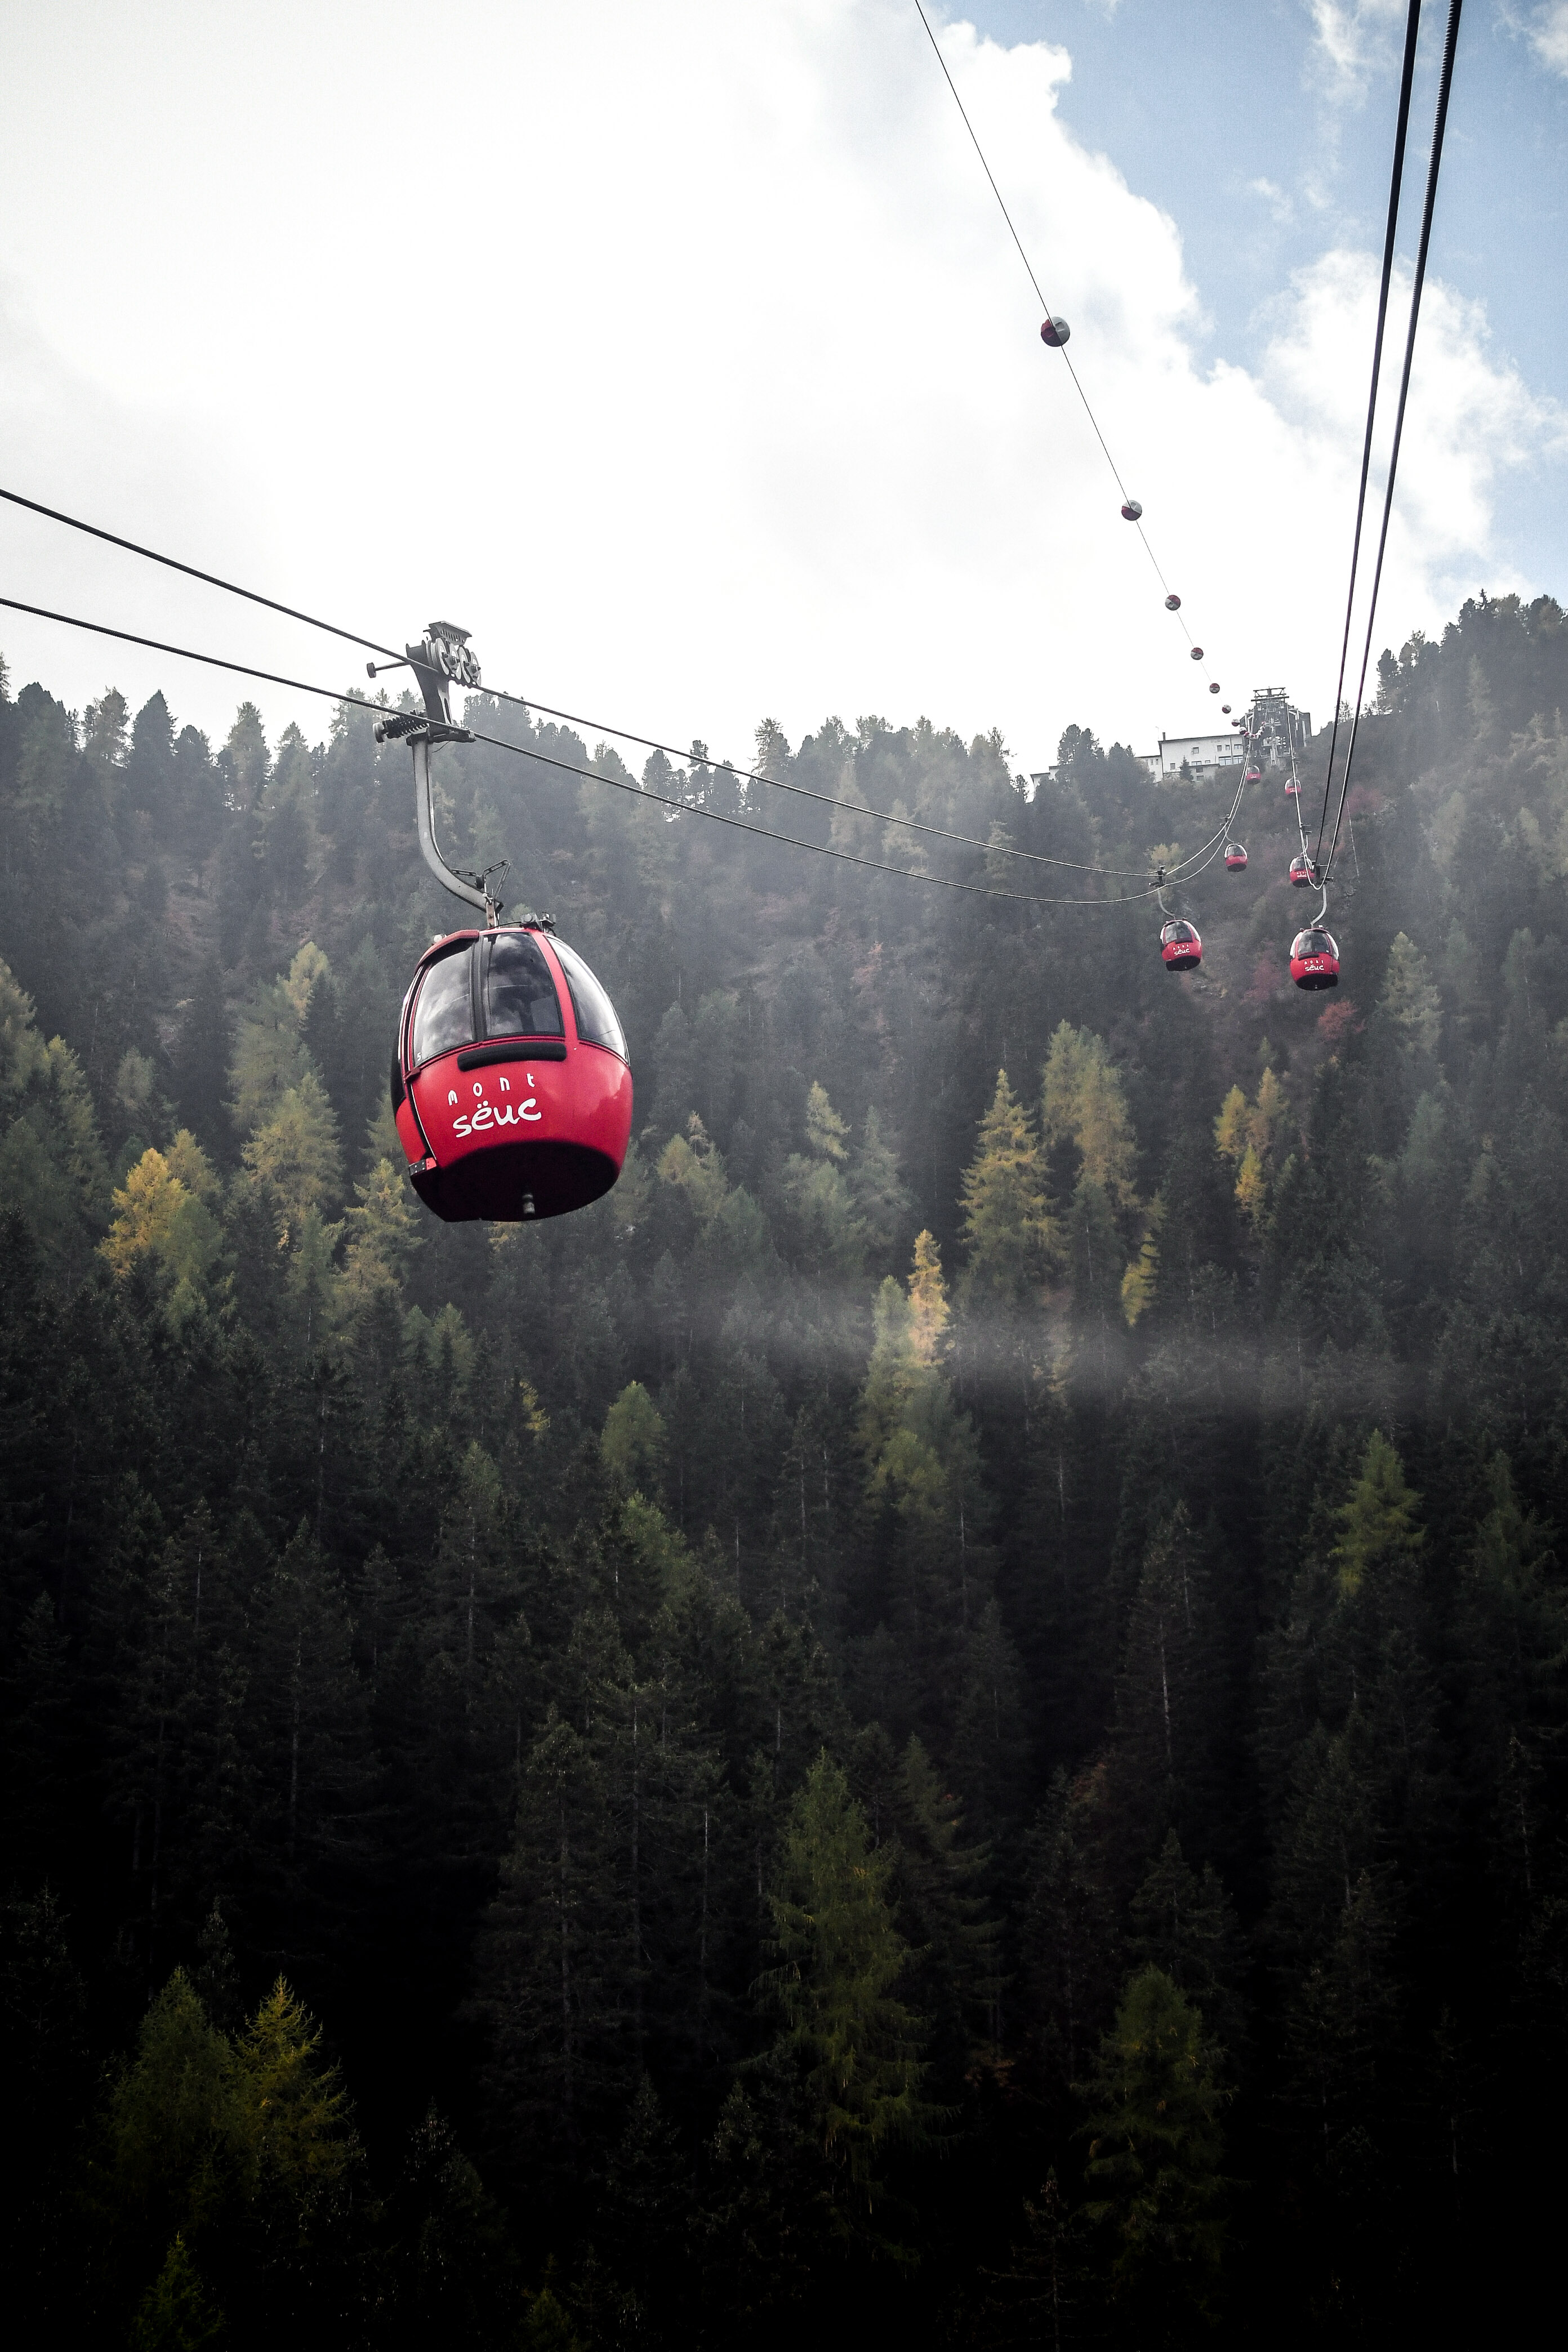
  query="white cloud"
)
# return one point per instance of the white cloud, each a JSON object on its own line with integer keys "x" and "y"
{"x": 681, "y": 355}
{"x": 1470, "y": 419}
{"x": 1278, "y": 202}
{"x": 1349, "y": 37}
{"x": 1547, "y": 33}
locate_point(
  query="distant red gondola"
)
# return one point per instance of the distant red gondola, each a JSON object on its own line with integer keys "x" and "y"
{"x": 1173, "y": 603}
{"x": 1234, "y": 857}
{"x": 1253, "y": 776}
{"x": 1055, "y": 332}
{"x": 1315, "y": 959}
{"x": 1304, "y": 874}
{"x": 1180, "y": 947}
{"x": 1132, "y": 511}
{"x": 1292, "y": 790}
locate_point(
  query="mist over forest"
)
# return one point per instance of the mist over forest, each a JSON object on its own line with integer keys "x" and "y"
{"x": 943, "y": 1715}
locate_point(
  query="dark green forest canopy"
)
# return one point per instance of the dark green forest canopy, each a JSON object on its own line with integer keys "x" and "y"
{"x": 945, "y": 1713}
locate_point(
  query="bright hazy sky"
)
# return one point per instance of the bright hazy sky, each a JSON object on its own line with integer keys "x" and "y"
{"x": 679, "y": 351}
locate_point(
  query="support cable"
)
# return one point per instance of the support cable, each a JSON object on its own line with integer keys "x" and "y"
{"x": 1412, "y": 29}
{"x": 1444, "y": 83}
{"x": 209, "y": 579}
{"x": 1127, "y": 500}
{"x": 591, "y": 775}
{"x": 575, "y": 719}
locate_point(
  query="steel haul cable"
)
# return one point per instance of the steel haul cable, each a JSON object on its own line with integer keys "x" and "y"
{"x": 1135, "y": 518}
{"x": 591, "y": 775}
{"x": 1197, "y": 862}
{"x": 573, "y": 718}
{"x": 1444, "y": 84}
{"x": 1407, "y": 74}
{"x": 209, "y": 579}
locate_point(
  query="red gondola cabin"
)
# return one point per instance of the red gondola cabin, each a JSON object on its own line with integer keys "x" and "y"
{"x": 1181, "y": 949}
{"x": 1234, "y": 857}
{"x": 1304, "y": 874}
{"x": 511, "y": 1085}
{"x": 1253, "y": 776}
{"x": 1315, "y": 959}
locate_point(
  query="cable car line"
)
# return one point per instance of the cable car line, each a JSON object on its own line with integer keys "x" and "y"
{"x": 575, "y": 719}
{"x": 824, "y": 800}
{"x": 1023, "y": 256}
{"x": 1314, "y": 965}
{"x": 1131, "y": 507}
{"x": 596, "y": 775}
{"x": 1029, "y": 266}
{"x": 273, "y": 677}
{"x": 1408, "y": 75}
{"x": 525, "y": 702}
{"x": 1444, "y": 84}
{"x": 211, "y": 579}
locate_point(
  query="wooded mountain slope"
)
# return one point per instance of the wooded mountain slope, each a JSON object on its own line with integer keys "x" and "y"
{"x": 945, "y": 1714}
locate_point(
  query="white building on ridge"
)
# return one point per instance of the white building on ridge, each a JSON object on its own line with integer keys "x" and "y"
{"x": 1201, "y": 752}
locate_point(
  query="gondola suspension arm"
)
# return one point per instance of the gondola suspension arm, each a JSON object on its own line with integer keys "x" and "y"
{"x": 440, "y": 661}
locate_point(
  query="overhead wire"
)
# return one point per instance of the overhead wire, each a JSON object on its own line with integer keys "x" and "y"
{"x": 568, "y": 767}
{"x": 1202, "y": 859}
{"x": 1434, "y": 166}
{"x": 575, "y": 719}
{"x": 210, "y": 579}
{"x": 824, "y": 800}
{"x": 1295, "y": 801}
{"x": 1407, "y": 76}
{"x": 1195, "y": 862}
{"x": 1186, "y": 868}
{"x": 1062, "y": 349}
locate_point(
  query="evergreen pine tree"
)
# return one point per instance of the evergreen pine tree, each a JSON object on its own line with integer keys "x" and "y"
{"x": 1168, "y": 1696}
{"x": 1069, "y": 1942}
{"x": 549, "y": 1969}
{"x": 200, "y": 1060}
{"x": 1186, "y": 1926}
{"x": 176, "y": 2313}
{"x": 839, "y": 1957}
{"x": 1006, "y": 1224}
{"x": 1155, "y": 2190}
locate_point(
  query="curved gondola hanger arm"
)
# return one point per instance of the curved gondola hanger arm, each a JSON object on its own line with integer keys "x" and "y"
{"x": 441, "y": 660}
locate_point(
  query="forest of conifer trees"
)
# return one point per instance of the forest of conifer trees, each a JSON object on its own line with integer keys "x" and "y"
{"x": 942, "y": 1717}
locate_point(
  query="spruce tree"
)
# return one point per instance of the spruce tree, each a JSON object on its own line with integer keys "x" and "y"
{"x": 1187, "y": 1927}
{"x": 1007, "y": 1228}
{"x": 839, "y": 1957}
{"x": 177, "y": 2310}
{"x": 1070, "y": 1943}
{"x": 1155, "y": 2145}
{"x": 200, "y": 1060}
{"x": 549, "y": 1967}
{"x": 1169, "y": 1695}
{"x": 1514, "y": 1625}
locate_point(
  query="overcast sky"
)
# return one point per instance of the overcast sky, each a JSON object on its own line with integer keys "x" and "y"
{"x": 679, "y": 351}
